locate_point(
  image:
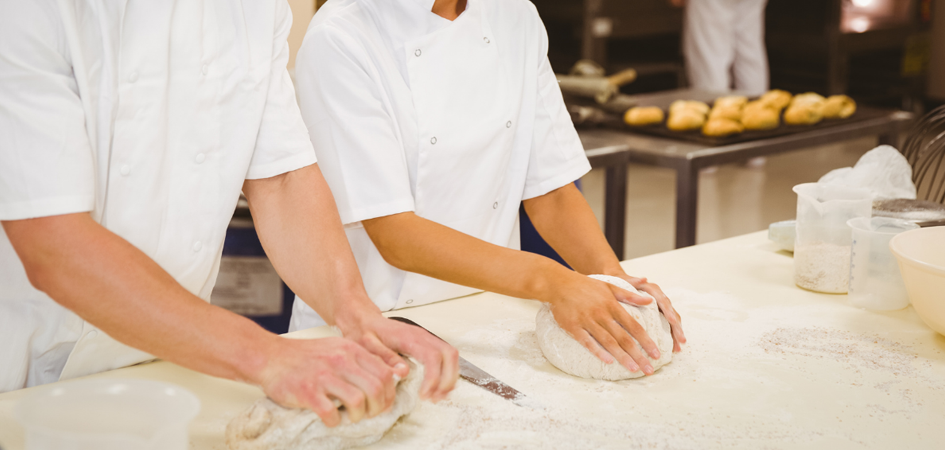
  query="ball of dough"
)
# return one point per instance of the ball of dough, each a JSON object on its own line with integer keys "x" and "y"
{"x": 777, "y": 98}
{"x": 759, "y": 115}
{"x": 643, "y": 115}
{"x": 267, "y": 425}
{"x": 839, "y": 107}
{"x": 730, "y": 100}
{"x": 731, "y": 111}
{"x": 571, "y": 357}
{"x": 685, "y": 119}
{"x": 722, "y": 127}
{"x": 693, "y": 105}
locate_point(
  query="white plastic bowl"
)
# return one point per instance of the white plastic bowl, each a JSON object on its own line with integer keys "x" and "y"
{"x": 107, "y": 414}
{"x": 921, "y": 256}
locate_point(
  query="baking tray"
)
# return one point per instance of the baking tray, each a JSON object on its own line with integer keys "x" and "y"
{"x": 862, "y": 113}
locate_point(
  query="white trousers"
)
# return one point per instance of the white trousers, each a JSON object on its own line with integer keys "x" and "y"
{"x": 724, "y": 45}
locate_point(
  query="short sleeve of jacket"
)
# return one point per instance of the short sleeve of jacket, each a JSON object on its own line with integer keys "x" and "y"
{"x": 46, "y": 161}
{"x": 282, "y": 144}
{"x": 354, "y": 135}
{"x": 557, "y": 156}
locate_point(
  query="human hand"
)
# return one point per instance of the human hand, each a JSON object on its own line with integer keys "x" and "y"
{"x": 386, "y": 338}
{"x": 311, "y": 373}
{"x": 590, "y": 311}
{"x": 666, "y": 307}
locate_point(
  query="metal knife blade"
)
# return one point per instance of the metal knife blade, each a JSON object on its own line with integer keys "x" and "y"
{"x": 469, "y": 372}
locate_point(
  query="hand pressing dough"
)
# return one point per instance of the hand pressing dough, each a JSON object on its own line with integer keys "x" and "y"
{"x": 722, "y": 127}
{"x": 643, "y": 115}
{"x": 570, "y": 356}
{"x": 839, "y": 107}
{"x": 269, "y": 426}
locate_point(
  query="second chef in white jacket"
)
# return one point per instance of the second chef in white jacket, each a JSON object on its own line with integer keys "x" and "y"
{"x": 433, "y": 121}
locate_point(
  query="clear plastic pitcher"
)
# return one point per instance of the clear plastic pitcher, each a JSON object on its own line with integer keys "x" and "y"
{"x": 107, "y": 414}
{"x": 875, "y": 281}
{"x": 822, "y": 246}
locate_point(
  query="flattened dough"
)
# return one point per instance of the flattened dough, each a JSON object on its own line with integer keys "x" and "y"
{"x": 571, "y": 357}
{"x": 269, "y": 426}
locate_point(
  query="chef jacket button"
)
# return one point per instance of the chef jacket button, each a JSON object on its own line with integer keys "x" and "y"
{"x": 495, "y": 205}
{"x": 200, "y": 158}
{"x": 486, "y": 39}
{"x": 508, "y": 124}
{"x": 197, "y": 246}
{"x": 409, "y": 301}
{"x": 92, "y": 334}
{"x": 133, "y": 76}
{"x": 416, "y": 52}
{"x": 205, "y": 69}
{"x": 433, "y": 140}
{"x": 125, "y": 170}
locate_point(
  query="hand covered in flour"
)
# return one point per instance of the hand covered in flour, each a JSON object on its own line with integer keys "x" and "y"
{"x": 666, "y": 307}
{"x": 589, "y": 310}
{"x": 386, "y": 338}
{"x": 311, "y": 373}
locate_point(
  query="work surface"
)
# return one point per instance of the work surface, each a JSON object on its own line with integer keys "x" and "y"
{"x": 768, "y": 365}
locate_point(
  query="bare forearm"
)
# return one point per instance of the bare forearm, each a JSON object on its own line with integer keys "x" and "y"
{"x": 567, "y": 223}
{"x": 117, "y": 288}
{"x": 299, "y": 226}
{"x": 415, "y": 244}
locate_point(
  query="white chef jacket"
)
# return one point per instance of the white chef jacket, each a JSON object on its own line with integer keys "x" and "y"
{"x": 148, "y": 114}
{"x": 724, "y": 45}
{"x": 456, "y": 121}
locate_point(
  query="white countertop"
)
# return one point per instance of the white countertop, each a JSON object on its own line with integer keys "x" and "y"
{"x": 768, "y": 365}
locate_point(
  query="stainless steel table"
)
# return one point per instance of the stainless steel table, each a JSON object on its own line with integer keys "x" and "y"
{"x": 614, "y": 149}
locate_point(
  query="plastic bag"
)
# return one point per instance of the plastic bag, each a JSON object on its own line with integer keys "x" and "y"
{"x": 882, "y": 170}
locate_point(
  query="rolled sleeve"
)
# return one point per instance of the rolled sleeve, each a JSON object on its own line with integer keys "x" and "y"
{"x": 557, "y": 155}
{"x": 46, "y": 161}
{"x": 282, "y": 144}
{"x": 353, "y": 133}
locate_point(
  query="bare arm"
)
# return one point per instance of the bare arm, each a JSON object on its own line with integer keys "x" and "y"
{"x": 299, "y": 226}
{"x": 586, "y": 308}
{"x": 114, "y": 286}
{"x": 566, "y": 222}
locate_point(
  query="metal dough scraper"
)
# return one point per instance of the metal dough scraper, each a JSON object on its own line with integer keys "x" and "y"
{"x": 479, "y": 377}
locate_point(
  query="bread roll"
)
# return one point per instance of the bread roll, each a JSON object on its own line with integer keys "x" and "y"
{"x": 689, "y": 104}
{"x": 731, "y": 111}
{"x": 805, "y": 109}
{"x": 685, "y": 119}
{"x": 839, "y": 107}
{"x": 643, "y": 115}
{"x": 776, "y": 98}
{"x": 759, "y": 115}
{"x": 807, "y": 99}
{"x": 731, "y": 100}
{"x": 722, "y": 127}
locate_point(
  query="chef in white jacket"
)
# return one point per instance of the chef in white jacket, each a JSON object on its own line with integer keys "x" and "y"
{"x": 724, "y": 44}
{"x": 433, "y": 121}
{"x": 128, "y": 129}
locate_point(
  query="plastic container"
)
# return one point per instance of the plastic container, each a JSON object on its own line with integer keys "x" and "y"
{"x": 823, "y": 241}
{"x": 875, "y": 282}
{"x": 921, "y": 255}
{"x": 107, "y": 414}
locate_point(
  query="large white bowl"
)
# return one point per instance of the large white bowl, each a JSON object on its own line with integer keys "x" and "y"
{"x": 921, "y": 256}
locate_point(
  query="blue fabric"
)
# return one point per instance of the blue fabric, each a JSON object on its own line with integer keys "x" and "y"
{"x": 532, "y": 241}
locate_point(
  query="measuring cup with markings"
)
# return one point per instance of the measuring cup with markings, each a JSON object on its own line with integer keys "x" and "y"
{"x": 875, "y": 282}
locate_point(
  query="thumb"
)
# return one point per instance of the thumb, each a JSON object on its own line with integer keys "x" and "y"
{"x": 390, "y": 357}
{"x": 629, "y": 297}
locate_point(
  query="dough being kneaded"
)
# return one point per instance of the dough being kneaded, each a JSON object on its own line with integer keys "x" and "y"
{"x": 643, "y": 115}
{"x": 839, "y": 107}
{"x": 684, "y": 120}
{"x": 722, "y": 127}
{"x": 269, "y": 426}
{"x": 759, "y": 115}
{"x": 567, "y": 354}
{"x": 776, "y": 98}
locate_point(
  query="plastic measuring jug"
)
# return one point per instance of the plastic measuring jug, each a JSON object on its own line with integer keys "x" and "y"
{"x": 875, "y": 281}
{"x": 823, "y": 241}
{"x": 107, "y": 414}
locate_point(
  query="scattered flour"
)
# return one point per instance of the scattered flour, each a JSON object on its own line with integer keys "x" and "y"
{"x": 822, "y": 267}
